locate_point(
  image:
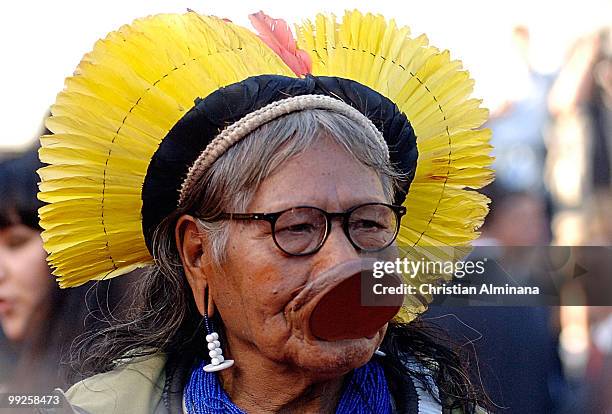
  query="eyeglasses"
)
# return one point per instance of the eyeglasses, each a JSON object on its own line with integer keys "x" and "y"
{"x": 302, "y": 230}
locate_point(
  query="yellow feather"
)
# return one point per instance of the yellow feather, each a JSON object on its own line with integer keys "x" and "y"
{"x": 123, "y": 99}
{"x": 433, "y": 91}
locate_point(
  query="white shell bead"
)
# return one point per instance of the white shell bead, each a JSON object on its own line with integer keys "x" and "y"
{"x": 209, "y": 338}
{"x": 215, "y": 336}
{"x": 217, "y": 343}
{"x": 212, "y": 346}
{"x": 223, "y": 365}
{"x": 215, "y": 361}
{"x": 214, "y": 353}
{"x": 220, "y": 358}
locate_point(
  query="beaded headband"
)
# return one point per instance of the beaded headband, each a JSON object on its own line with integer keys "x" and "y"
{"x": 241, "y": 128}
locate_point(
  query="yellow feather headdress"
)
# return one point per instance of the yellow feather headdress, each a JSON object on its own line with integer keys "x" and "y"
{"x": 138, "y": 82}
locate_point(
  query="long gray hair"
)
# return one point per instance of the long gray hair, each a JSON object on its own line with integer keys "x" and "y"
{"x": 162, "y": 315}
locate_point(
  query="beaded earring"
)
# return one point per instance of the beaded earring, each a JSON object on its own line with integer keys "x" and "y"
{"x": 217, "y": 360}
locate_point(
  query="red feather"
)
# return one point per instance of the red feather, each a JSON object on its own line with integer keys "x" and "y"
{"x": 276, "y": 34}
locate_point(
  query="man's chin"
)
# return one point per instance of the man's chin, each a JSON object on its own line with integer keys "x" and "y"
{"x": 331, "y": 359}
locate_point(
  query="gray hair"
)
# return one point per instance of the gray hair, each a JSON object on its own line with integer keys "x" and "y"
{"x": 162, "y": 315}
{"x": 231, "y": 182}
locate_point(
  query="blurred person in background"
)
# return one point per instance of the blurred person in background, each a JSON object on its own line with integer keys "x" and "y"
{"x": 518, "y": 143}
{"x": 517, "y": 219}
{"x": 513, "y": 347}
{"x": 38, "y": 321}
{"x": 578, "y": 166}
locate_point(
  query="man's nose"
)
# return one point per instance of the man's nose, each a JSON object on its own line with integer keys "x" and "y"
{"x": 337, "y": 248}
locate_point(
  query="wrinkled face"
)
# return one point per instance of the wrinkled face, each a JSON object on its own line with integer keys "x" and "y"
{"x": 24, "y": 280}
{"x": 261, "y": 296}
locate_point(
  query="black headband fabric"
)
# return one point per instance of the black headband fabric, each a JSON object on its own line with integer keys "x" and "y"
{"x": 199, "y": 126}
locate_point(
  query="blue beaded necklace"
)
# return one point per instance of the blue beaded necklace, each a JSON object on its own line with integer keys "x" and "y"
{"x": 366, "y": 393}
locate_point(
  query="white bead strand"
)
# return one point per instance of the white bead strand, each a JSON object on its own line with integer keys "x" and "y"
{"x": 217, "y": 361}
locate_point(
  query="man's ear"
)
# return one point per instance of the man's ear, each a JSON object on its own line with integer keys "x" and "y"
{"x": 191, "y": 244}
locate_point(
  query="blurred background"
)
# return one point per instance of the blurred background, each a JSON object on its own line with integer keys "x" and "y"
{"x": 543, "y": 68}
